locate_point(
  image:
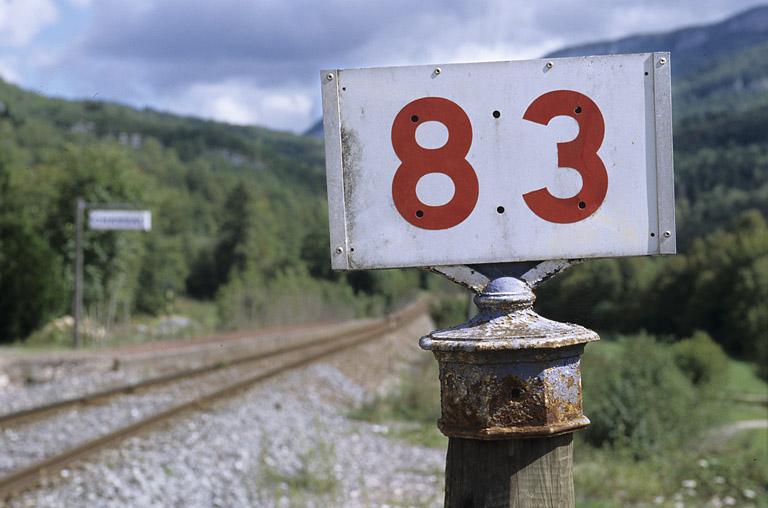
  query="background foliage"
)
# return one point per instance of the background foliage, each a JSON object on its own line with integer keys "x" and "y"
{"x": 240, "y": 216}
{"x": 239, "y": 219}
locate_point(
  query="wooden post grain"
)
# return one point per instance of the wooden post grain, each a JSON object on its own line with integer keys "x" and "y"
{"x": 510, "y": 473}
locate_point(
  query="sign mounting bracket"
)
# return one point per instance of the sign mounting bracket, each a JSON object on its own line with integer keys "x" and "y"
{"x": 476, "y": 277}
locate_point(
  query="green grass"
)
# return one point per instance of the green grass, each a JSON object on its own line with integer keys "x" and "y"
{"x": 313, "y": 478}
{"x": 742, "y": 378}
{"x": 738, "y": 411}
{"x": 608, "y": 478}
{"x": 607, "y": 345}
{"x": 202, "y": 312}
{"x": 739, "y": 379}
{"x": 611, "y": 477}
{"x": 422, "y": 434}
{"x": 410, "y": 410}
{"x": 203, "y": 316}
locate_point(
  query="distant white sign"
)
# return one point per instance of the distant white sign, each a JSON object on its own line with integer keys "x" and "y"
{"x": 120, "y": 219}
{"x": 495, "y": 162}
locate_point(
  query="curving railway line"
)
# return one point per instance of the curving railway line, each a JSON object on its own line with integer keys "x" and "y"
{"x": 96, "y": 417}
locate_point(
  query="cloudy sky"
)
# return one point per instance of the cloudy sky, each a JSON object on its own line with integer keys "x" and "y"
{"x": 258, "y": 62}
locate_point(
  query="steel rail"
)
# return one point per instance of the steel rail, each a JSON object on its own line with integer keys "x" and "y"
{"x": 30, "y": 476}
{"x": 39, "y": 411}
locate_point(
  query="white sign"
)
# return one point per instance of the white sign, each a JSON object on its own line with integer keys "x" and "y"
{"x": 495, "y": 162}
{"x": 120, "y": 219}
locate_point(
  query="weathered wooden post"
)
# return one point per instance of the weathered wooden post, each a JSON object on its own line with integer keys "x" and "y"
{"x": 77, "y": 296}
{"x": 461, "y": 169}
{"x": 510, "y": 387}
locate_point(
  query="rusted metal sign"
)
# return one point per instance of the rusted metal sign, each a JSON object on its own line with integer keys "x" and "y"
{"x": 497, "y": 162}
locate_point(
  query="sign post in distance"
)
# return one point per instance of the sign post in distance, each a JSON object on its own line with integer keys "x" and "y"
{"x": 103, "y": 217}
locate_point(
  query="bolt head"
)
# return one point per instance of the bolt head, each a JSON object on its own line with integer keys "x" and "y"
{"x": 667, "y": 234}
{"x": 438, "y": 70}
{"x": 550, "y": 65}
{"x": 662, "y": 61}
{"x": 339, "y": 250}
{"x": 329, "y": 77}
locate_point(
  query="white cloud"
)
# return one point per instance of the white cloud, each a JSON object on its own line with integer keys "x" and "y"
{"x": 257, "y": 61}
{"x": 9, "y": 69}
{"x": 22, "y": 20}
{"x": 244, "y": 103}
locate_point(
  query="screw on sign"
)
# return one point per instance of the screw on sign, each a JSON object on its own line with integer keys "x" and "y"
{"x": 564, "y": 161}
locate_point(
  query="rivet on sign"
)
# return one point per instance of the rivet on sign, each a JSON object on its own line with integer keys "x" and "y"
{"x": 339, "y": 250}
{"x": 437, "y": 71}
{"x": 329, "y": 77}
{"x": 550, "y": 65}
{"x": 662, "y": 61}
{"x": 667, "y": 234}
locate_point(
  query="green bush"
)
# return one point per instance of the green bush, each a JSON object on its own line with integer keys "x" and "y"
{"x": 290, "y": 297}
{"x": 638, "y": 399}
{"x": 31, "y": 289}
{"x": 449, "y": 311}
{"x": 701, "y": 359}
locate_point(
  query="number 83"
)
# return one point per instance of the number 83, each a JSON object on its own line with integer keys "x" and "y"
{"x": 579, "y": 154}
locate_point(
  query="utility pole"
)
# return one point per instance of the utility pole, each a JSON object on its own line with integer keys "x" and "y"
{"x": 510, "y": 384}
{"x": 77, "y": 300}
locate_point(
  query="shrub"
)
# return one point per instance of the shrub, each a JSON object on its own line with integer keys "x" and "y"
{"x": 449, "y": 311}
{"x": 31, "y": 286}
{"x": 700, "y": 358}
{"x": 638, "y": 398}
{"x": 290, "y": 297}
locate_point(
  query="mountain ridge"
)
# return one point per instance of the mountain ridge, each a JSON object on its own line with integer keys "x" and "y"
{"x": 692, "y": 47}
{"x": 698, "y": 53}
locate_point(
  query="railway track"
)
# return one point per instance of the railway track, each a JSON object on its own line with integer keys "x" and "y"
{"x": 102, "y": 370}
{"x": 29, "y": 414}
{"x": 246, "y": 373}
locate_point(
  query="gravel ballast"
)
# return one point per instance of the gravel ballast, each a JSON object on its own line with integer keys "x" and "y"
{"x": 286, "y": 442}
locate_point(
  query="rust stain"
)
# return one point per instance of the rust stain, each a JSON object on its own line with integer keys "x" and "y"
{"x": 351, "y": 157}
{"x": 509, "y": 372}
{"x": 514, "y": 402}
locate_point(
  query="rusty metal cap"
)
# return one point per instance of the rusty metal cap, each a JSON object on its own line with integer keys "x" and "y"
{"x": 508, "y": 372}
{"x": 507, "y": 321}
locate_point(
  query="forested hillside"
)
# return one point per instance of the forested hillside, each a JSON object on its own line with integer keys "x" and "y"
{"x": 239, "y": 217}
{"x": 240, "y": 213}
{"x": 718, "y": 282}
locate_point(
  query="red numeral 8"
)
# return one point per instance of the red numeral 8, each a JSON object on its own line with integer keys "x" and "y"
{"x": 449, "y": 159}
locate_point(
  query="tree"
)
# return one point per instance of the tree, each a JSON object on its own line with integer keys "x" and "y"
{"x": 162, "y": 273}
{"x": 248, "y": 237}
{"x": 31, "y": 290}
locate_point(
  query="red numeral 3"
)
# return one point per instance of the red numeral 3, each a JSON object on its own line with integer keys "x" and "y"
{"x": 579, "y": 154}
